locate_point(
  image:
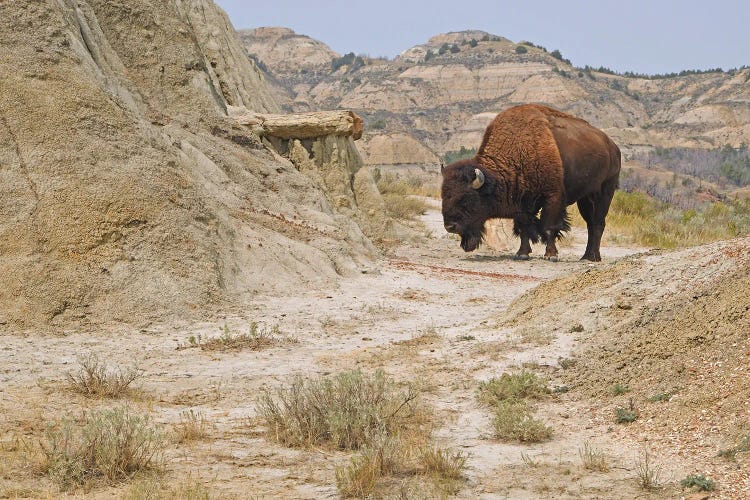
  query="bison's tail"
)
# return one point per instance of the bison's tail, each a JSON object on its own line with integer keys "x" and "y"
{"x": 565, "y": 227}
{"x": 532, "y": 226}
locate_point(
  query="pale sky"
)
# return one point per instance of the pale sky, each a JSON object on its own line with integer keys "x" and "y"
{"x": 645, "y": 36}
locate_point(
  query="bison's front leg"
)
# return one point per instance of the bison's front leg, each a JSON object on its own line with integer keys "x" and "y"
{"x": 524, "y": 250}
{"x": 524, "y": 228}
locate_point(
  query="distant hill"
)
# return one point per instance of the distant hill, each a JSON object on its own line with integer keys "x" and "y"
{"x": 444, "y": 92}
{"x": 285, "y": 50}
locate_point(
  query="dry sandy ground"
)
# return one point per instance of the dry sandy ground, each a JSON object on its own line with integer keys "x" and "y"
{"x": 445, "y": 300}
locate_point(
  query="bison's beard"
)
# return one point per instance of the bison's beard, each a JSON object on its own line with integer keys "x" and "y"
{"x": 470, "y": 240}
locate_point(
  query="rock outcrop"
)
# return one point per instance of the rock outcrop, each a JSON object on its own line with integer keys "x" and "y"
{"x": 128, "y": 194}
{"x": 303, "y": 125}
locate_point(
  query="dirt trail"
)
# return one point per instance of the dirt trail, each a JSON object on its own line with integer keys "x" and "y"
{"x": 444, "y": 299}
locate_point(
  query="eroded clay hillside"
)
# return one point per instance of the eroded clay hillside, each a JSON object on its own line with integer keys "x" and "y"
{"x": 444, "y": 93}
{"x": 128, "y": 193}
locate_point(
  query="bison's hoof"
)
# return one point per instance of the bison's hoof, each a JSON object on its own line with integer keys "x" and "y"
{"x": 521, "y": 257}
{"x": 551, "y": 258}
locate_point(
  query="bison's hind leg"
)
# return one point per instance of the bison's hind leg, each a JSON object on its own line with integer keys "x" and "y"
{"x": 594, "y": 210}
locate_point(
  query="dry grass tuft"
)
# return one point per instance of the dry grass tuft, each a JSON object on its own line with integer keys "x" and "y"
{"x": 652, "y": 223}
{"x": 742, "y": 447}
{"x": 408, "y": 185}
{"x": 648, "y": 474}
{"x": 111, "y": 444}
{"x": 93, "y": 379}
{"x": 369, "y": 413}
{"x": 528, "y": 461}
{"x": 199, "y": 395}
{"x": 193, "y": 426}
{"x": 345, "y": 410}
{"x": 153, "y": 489}
{"x": 592, "y": 458}
{"x": 381, "y": 457}
{"x": 399, "y": 457}
{"x": 424, "y": 337}
{"x": 255, "y": 339}
{"x": 399, "y": 196}
{"x": 443, "y": 462}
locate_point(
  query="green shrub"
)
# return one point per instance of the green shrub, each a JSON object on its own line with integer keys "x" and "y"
{"x": 699, "y": 481}
{"x": 662, "y": 396}
{"x": 512, "y": 417}
{"x": 625, "y": 415}
{"x": 111, "y": 444}
{"x": 557, "y": 55}
{"x": 619, "y": 389}
{"x": 512, "y": 420}
{"x": 353, "y": 62}
{"x": 520, "y": 49}
{"x": 523, "y": 384}
{"x": 652, "y": 223}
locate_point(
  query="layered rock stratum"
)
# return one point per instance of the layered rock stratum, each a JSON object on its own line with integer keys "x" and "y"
{"x": 443, "y": 93}
{"x": 128, "y": 193}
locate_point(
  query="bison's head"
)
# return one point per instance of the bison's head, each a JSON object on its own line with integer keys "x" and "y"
{"x": 466, "y": 195}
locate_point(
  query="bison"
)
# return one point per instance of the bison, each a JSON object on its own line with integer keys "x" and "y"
{"x": 533, "y": 157}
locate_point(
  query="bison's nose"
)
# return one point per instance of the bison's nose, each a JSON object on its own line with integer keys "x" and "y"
{"x": 451, "y": 227}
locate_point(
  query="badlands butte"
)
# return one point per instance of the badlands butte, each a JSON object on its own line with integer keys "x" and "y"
{"x": 159, "y": 220}
{"x": 442, "y": 94}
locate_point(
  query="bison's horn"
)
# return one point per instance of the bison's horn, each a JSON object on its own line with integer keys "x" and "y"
{"x": 478, "y": 180}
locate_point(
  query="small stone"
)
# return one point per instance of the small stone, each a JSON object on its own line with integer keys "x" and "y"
{"x": 622, "y": 304}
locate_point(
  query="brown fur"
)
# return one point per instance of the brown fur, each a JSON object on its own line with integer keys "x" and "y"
{"x": 533, "y": 157}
